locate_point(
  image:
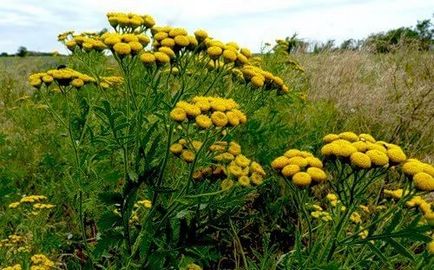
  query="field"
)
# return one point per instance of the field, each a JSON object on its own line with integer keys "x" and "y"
{"x": 138, "y": 165}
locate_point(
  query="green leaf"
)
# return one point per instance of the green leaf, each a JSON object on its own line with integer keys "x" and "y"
{"x": 110, "y": 197}
{"x": 377, "y": 252}
{"x": 109, "y": 220}
{"x": 398, "y": 247}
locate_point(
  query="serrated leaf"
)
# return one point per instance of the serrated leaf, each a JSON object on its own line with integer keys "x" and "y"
{"x": 109, "y": 220}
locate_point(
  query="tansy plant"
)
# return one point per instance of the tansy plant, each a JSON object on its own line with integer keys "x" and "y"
{"x": 153, "y": 103}
{"x": 359, "y": 205}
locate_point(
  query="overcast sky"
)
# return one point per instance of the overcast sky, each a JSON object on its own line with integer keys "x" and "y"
{"x": 36, "y": 23}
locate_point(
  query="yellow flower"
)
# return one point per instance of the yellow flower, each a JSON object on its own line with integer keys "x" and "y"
{"x": 214, "y": 52}
{"x": 168, "y": 42}
{"x": 219, "y": 119}
{"x": 246, "y": 52}
{"x": 201, "y": 35}
{"x": 242, "y": 161}
{"x": 167, "y": 51}
{"x": 361, "y": 146}
{"x": 366, "y": 138}
{"x": 257, "y": 168}
{"x": 233, "y": 118}
{"x": 188, "y": 156}
{"x": 203, "y": 121}
{"x": 234, "y": 148}
{"x": 176, "y": 148}
{"x": 258, "y": 81}
{"x": 235, "y": 170}
{"x": 412, "y": 167}
{"x": 145, "y": 203}
{"x": 290, "y": 170}
{"x": 224, "y": 157}
{"x": 330, "y": 138}
{"x": 414, "y": 201}
{"x": 355, "y": 217}
{"x": 244, "y": 181}
{"x": 317, "y": 174}
{"x": 229, "y": 56}
{"x": 396, "y": 194}
{"x": 423, "y": 181}
{"x": 14, "y": 205}
{"x": 148, "y": 21}
{"x": 396, "y": 155}
{"x": 332, "y": 197}
{"x": 299, "y": 161}
{"x": 360, "y": 160}
{"x": 241, "y": 116}
{"x": 256, "y": 178}
{"x": 77, "y": 83}
{"x": 204, "y": 106}
{"x": 159, "y": 36}
{"x": 182, "y": 41}
{"x": 349, "y": 136}
{"x": 344, "y": 149}
{"x": 429, "y": 169}
{"x": 135, "y": 46}
{"x": 301, "y": 179}
{"x": 377, "y": 157}
{"x": 292, "y": 153}
{"x": 227, "y": 184}
{"x": 122, "y": 48}
{"x": 162, "y": 58}
{"x": 147, "y": 58}
{"x": 178, "y": 114}
{"x": 316, "y": 214}
{"x": 14, "y": 267}
{"x": 279, "y": 162}
{"x": 328, "y": 149}
{"x": 314, "y": 162}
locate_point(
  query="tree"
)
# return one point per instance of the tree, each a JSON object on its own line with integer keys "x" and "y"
{"x": 22, "y": 51}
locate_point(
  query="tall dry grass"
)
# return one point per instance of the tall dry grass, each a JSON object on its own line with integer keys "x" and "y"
{"x": 390, "y": 95}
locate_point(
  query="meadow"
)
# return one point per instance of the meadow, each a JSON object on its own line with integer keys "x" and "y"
{"x": 184, "y": 152}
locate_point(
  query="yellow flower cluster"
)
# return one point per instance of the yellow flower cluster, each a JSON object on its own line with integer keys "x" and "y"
{"x": 125, "y": 44}
{"x": 259, "y": 78}
{"x": 362, "y": 151}
{"x": 35, "y": 200}
{"x": 14, "y": 267}
{"x": 110, "y": 81}
{"x": 319, "y": 213}
{"x": 128, "y": 22}
{"x": 334, "y": 200}
{"x": 186, "y": 149}
{"x": 138, "y": 206}
{"x": 41, "y": 262}
{"x": 209, "y": 112}
{"x": 236, "y": 166}
{"x": 356, "y": 218}
{"x": 421, "y": 173}
{"x": 172, "y": 39}
{"x": 394, "y": 193}
{"x": 301, "y": 166}
{"x": 84, "y": 41}
{"x": 63, "y": 77}
{"x": 15, "y": 244}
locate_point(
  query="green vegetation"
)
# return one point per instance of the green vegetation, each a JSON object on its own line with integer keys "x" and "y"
{"x": 211, "y": 158}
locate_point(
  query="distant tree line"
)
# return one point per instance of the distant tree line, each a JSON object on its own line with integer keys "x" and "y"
{"x": 22, "y": 52}
{"x": 420, "y": 37}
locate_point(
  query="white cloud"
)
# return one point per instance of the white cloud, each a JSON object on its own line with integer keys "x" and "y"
{"x": 35, "y": 23}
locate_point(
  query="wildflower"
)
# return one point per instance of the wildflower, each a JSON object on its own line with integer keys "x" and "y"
{"x": 430, "y": 247}
{"x": 201, "y": 35}
{"x": 234, "y": 148}
{"x": 188, "y": 156}
{"x": 429, "y": 169}
{"x": 145, "y": 203}
{"x": 242, "y": 161}
{"x": 258, "y": 81}
{"x": 423, "y": 181}
{"x": 377, "y": 157}
{"x": 301, "y": 179}
{"x": 331, "y": 197}
{"x": 314, "y": 162}
{"x": 203, "y": 121}
{"x": 349, "y": 136}
{"x": 14, "y": 205}
{"x": 214, "y": 52}
{"x": 396, "y": 194}
{"x": 235, "y": 170}
{"x": 366, "y": 138}
{"x": 233, "y": 118}
{"x": 219, "y": 119}
{"x": 229, "y": 56}
{"x": 360, "y": 160}
{"x": 14, "y": 267}
{"x": 414, "y": 201}
{"x": 244, "y": 181}
{"x": 226, "y": 184}
{"x": 176, "y": 148}
{"x": 299, "y": 161}
{"x": 122, "y": 48}
{"x": 280, "y": 162}
{"x": 363, "y": 234}
{"x": 256, "y": 178}
{"x": 181, "y": 41}
{"x": 167, "y": 51}
{"x": 246, "y": 52}
{"x": 292, "y": 153}
{"x": 361, "y": 146}
{"x": 317, "y": 174}
{"x": 162, "y": 58}
{"x": 330, "y": 138}
{"x": 396, "y": 155}
{"x": 178, "y": 114}
{"x": 257, "y": 168}
{"x": 412, "y": 167}
{"x": 355, "y": 217}
{"x": 168, "y": 42}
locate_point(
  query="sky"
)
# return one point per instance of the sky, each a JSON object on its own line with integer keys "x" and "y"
{"x": 36, "y": 23}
